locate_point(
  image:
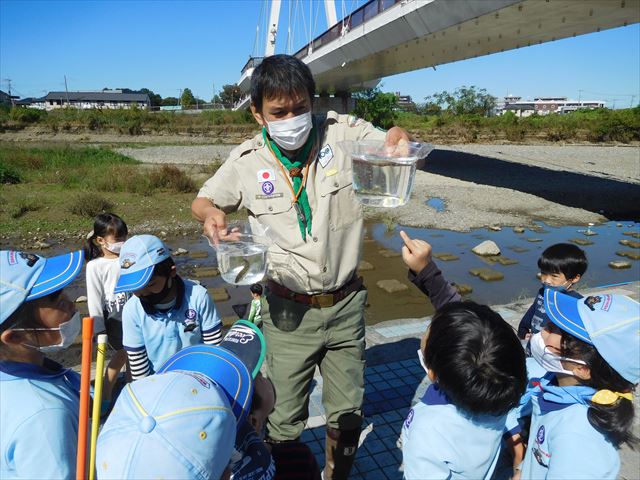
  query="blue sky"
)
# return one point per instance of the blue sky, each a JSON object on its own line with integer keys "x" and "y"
{"x": 167, "y": 46}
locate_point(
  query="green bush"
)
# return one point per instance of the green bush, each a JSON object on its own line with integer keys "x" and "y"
{"x": 27, "y": 115}
{"x": 89, "y": 205}
{"x": 24, "y": 206}
{"x": 8, "y": 174}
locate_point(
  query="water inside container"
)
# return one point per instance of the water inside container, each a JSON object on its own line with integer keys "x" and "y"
{"x": 381, "y": 182}
{"x": 382, "y": 175}
{"x": 242, "y": 263}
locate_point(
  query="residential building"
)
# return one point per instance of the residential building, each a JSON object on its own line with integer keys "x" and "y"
{"x": 105, "y": 99}
{"x": 545, "y": 105}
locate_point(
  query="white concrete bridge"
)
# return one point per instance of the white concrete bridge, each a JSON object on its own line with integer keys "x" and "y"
{"x": 387, "y": 37}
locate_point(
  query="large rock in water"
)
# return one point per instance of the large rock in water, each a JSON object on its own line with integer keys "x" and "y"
{"x": 486, "y": 248}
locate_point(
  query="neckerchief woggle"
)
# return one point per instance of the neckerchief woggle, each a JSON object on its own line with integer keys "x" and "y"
{"x": 299, "y": 161}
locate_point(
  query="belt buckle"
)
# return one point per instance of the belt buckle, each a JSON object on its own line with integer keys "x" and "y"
{"x": 323, "y": 300}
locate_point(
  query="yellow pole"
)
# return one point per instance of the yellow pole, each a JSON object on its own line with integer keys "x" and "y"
{"x": 97, "y": 401}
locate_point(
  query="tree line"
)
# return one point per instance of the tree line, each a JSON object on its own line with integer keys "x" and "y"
{"x": 227, "y": 97}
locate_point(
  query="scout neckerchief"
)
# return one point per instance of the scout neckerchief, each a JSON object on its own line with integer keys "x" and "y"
{"x": 300, "y": 200}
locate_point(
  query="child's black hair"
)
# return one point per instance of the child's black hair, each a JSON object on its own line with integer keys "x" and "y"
{"x": 278, "y": 76}
{"x": 163, "y": 269}
{"x": 563, "y": 258}
{"x": 256, "y": 288}
{"x": 614, "y": 421}
{"x": 476, "y": 357}
{"x": 104, "y": 224}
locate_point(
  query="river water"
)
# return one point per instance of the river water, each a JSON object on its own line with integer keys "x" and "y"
{"x": 382, "y": 253}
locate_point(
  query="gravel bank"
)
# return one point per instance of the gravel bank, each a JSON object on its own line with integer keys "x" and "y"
{"x": 493, "y": 184}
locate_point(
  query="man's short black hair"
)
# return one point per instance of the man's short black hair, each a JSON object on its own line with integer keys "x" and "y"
{"x": 563, "y": 258}
{"x": 256, "y": 288}
{"x": 280, "y": 76}
{"x": 477, "y": 358}
{"x": 163, "y": 269}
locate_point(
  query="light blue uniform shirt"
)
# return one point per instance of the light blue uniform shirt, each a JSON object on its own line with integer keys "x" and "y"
{"x": 562, "y": 442}
{"x": 39, "y": 417}
{"x": 439, "y": 441}
{"x": 162, "y": 334}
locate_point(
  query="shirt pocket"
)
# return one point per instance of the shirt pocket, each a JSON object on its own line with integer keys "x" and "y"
{"x": 339, "y": 199}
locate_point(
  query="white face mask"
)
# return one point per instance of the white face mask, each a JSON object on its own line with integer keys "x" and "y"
{"x": 421, "y": 359}
{"x": 114, "y": 247}
{"x": 292, "y": 133}
{"x": 548, "y": 360}
{"x": 69, "y": 330}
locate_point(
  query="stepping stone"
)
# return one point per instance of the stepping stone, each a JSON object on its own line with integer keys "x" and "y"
{"x": 581, "y": 241}
{"x": 392, "y": 286}
{"x": 633, "y": 255}
{"x": 519, "y": 249}
{"x": 486, "y": 274}
{"x": 219, "y": 294}
{"x": 619, "y": 264}
{"x": 81, "y": 299}
{"x": 589, "y": 233}
{"x": 630, "y": 243}
{"x": 486, "y": 248}
{"x": 388, "y": 253}
{"x": 364, "y": 266}
{"x": 632, "y": 234}
{"x": 446, "y": 257}
{"x": 179, "y": 251}
{"x": 201, "y": 272}
{"x": 495, "y": 228}
{"x": 199, "y": 254}
{"x": 463, "y": 288}
{"x": 436, "y": 235}
{"x": 534, "y": 240}
{"x": 506, "y": 261}
{"x": 518, "y": 229}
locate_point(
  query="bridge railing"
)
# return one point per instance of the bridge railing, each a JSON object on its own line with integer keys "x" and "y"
{"x": 252, "y": 63}
{"x": 363, "y": 14}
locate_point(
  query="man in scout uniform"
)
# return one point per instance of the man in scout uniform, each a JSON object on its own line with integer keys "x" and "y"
{"x": 293, "y": 179}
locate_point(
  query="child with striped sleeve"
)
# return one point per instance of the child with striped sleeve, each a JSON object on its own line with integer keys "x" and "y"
{"x": 165, "y": 313}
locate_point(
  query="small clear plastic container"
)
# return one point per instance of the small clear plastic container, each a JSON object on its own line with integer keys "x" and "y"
{"x": 242, "y": 254}
{"x": 383, "y": 175}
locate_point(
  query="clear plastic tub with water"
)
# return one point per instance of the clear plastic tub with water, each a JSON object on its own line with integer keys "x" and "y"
{"x": 383, "y": 175}
{"x": 242, "y": 254}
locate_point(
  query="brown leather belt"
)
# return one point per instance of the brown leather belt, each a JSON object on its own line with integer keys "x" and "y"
{"x": 322, "y": 300}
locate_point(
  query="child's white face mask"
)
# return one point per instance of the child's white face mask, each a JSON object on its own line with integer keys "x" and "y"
{"x": 114, "y": 247}
{"x": 292, "y": 133}
{"x": 549, "y": 360}
{"x": 69, "y": 330}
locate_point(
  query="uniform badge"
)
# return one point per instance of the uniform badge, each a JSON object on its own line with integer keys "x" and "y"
{"x": 266, "y": 180}
{"x": 190, "y": 323}
{"x": 325, "y": 155}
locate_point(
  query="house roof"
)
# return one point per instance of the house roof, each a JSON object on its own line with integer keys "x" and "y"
{"x": 98, "y": 97}
{"x": 520, "y": 106}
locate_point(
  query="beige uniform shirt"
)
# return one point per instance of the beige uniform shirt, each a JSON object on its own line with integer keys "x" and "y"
{"x": 329, "y": 257}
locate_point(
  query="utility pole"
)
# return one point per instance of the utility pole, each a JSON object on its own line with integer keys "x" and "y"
{"x": 631, "y": 104}
{"x": 579, "y": 96}
{"x": 66, "y": 90}
{"x": 8, "y": 81}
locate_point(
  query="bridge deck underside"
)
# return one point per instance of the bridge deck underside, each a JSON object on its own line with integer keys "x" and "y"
{"x": 421, "y": 34}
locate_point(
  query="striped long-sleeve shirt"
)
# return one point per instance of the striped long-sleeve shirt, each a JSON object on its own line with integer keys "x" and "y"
{"x": 151, "y": 336}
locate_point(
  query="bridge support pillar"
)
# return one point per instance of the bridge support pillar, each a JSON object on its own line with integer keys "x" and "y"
{"x": 341, "y": 103}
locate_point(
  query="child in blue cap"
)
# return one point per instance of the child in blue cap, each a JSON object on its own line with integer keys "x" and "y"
{"x": 40, "y": 398}
{"x": 581, "y": 410}
{"x": 477, "y": 368}
{"x": 165, "y": 313}
{"x": 191, "y": 420}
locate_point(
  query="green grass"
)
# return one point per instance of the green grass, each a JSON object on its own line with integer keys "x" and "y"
{"x": 130, "y": 122}
{"x": 60, "y": 189}
{"x": 601, "y": 125}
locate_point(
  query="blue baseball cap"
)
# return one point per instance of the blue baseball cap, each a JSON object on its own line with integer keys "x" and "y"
{"x": 233, "y": 364}
{"x": 138, "y": 256}
{"x": 611, "y": 323}
{"x": 171, "y": 425}
{"x": 26, "y": 276}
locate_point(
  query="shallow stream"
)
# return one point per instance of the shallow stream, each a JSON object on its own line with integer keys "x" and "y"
{"x": 383, "y": 262}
